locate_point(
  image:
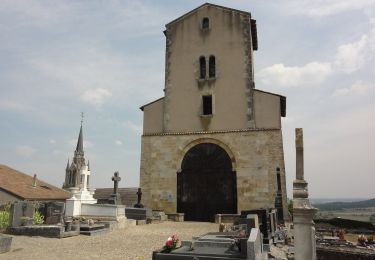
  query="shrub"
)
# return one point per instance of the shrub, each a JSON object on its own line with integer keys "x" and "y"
{"x": 4, "y": 217}
{"x": 38, "y": 218}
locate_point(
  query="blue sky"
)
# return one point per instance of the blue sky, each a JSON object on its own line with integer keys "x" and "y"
{"x": 106, "y": 58}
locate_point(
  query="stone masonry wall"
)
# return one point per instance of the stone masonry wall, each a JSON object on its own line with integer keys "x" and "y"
{"x": 255, "y": 156}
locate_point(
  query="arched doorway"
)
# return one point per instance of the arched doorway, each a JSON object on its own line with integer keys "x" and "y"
{"x": 206, "y": 184}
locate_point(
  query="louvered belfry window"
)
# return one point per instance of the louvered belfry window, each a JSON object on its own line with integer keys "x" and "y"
{"x": 202, "y": 67}
{"x": 212, "y": 67}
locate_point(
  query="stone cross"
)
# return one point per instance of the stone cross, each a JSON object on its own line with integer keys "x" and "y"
{"x": 303, "y": 212}
{"x": 139, "y": 194}
{"x": 299, "y": 154}
{"x": 115, "y": 180}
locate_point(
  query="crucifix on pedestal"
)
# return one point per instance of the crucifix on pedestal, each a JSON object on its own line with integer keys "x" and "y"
{"x": 115, "y": 197}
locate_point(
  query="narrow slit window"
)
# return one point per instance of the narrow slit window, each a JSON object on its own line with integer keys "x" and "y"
{"x": 205, "y": 23}
{"x": 212, "y": 67}
{"x": 202, "y": 67}
{"x": 207, "y": 105}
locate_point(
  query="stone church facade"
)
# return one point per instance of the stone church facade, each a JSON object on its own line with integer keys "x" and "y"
{"x": 213, "y": 143}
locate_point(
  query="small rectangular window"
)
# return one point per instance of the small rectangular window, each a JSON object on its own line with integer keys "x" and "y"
{"x": 205, "y": 23}
{"x": 207, "y": 105}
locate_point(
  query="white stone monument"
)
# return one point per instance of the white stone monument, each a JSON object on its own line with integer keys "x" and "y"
{"x": 303, "y": 212}
{"x": 82, "y": 196}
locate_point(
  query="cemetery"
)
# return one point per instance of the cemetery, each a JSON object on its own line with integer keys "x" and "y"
{"x": 212, "y": 183}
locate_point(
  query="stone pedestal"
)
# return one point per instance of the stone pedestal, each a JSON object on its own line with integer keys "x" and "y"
{"x": 304, "y": 230}
{"x": 303, "y": 212}
{"x": 80, "y": 196}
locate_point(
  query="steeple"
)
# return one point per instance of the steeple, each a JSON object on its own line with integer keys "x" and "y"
{"x": 72, "y": 172}
{"x": 79, "y": 148}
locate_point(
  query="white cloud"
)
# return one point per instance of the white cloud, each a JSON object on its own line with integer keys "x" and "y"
{"x": 309, "y": 74}
{"x": 52, "y": 141}
{"x": 358, "y": 88}
{"x": 96, "y": 96}
{"x": 352, "y": 56}
{"x": 319, "y": 8}
{"x": 137, "y": 129}
{"x": 118, "y": 142}
{"x": 14, "y": 106}
{"x": 25, "y": 150}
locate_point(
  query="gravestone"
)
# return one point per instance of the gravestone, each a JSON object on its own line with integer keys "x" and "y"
{"x": 115, "y": 197}
{"x": 54, "y": 212}
{"x": 5, "y": 243}
{"x": 21, "y": 214}
{"x": 266, "y": 225}
{"x": 251, "y": 221}
{"x": 159, "y": 215}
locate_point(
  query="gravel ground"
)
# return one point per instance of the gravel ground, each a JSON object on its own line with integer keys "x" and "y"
{"x": 133, "y": 243}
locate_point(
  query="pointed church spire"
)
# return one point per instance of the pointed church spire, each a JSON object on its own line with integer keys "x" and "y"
{"x": 67, "y": 165}
{"x": 79, "y": 147}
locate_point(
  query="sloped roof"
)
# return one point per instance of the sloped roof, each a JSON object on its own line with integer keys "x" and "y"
{"x": 21, "y": 185}
{"x": 152, "y": 102}
{"x": 128, "y": 195}
{"x": 206, "y": 4}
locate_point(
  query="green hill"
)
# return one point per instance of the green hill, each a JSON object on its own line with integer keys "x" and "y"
{"x": 346, "y": 205}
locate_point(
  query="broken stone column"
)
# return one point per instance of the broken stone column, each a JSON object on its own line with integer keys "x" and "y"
{"x": 303, "y": 212}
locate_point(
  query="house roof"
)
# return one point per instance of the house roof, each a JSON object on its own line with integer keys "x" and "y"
{"x": 205, "y": 4}
{"x": 21, "y": 185}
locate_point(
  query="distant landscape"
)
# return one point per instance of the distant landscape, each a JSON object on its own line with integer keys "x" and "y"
{"x": 355, "y": 209}
{"x": 316, "y": 201}
{"x": 339, "y": 205}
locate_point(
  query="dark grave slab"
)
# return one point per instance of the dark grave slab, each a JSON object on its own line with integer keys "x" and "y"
{"x": 216, "y": 245}
{"x": 95, "y": 229}
{"x": 52, "y": 231}
{"x": 5, "y": 243}
{"x": 138, "y": 213}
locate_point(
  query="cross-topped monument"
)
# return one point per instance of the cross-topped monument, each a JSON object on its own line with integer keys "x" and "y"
{"x": 303, "y": 212}
{"x": 139, "y": 195}
{"x": 115, "y": 197}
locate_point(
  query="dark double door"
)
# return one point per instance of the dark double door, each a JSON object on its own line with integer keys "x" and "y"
{"x": 206, "y": 184}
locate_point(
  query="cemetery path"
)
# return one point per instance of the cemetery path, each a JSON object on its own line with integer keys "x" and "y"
{"x": 133, "y": 243}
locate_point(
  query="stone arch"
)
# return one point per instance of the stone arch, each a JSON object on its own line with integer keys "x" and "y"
{"x": 193, "y": 143}
{"x": 206, "y": 183}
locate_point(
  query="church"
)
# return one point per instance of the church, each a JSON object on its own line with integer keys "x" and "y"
{"x": 73, "y": 178}
{"x": 213, "y": 144}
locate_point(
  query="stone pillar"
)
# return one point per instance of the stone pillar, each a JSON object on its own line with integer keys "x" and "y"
{"x": 303, "y": 212}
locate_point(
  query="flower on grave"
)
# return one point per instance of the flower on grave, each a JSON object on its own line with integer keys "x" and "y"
{"x": 171, "y": 243}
